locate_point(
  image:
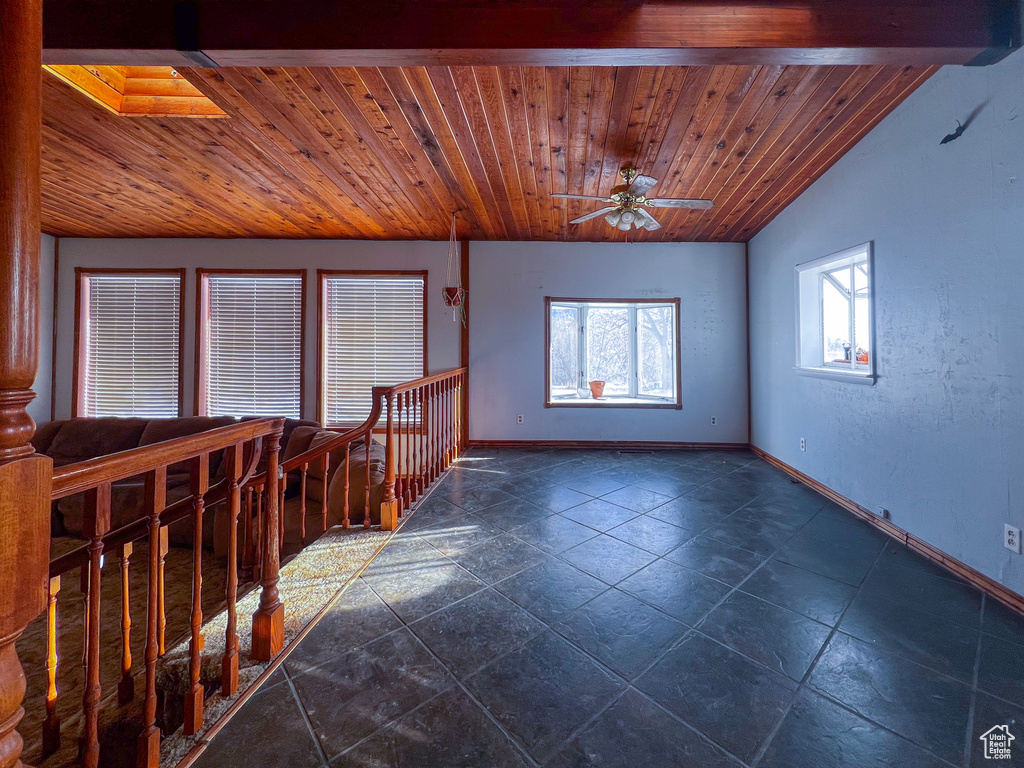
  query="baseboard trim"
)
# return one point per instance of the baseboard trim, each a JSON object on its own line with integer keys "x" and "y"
{"x": 989, "y": 586}
{"x": 627, "y": 444}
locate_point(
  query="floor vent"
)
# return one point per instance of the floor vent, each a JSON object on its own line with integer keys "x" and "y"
{"x": 638, "y": 451}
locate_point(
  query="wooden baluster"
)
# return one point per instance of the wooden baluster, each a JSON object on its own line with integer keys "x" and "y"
{"x": 447, "y": 423}
{"x": 407, "y": 476}
{"x": 83, "y": 588}
{"x": 345, "y": 521}
{"x": 149, "y": 739}
{"x": 280, "y": 513}
{"x": 389, "y": 507}
{"x": 25, "y": 478}
{"x": 421, "y": 441}
{"x": 258, "y": 528}
{"x": 326, "y": 491}
{"x": 97, "y": 525}
{"x": 248, "y": 539}
{"x": 463, "y": 405}
{"x": 51, "y": 726}
{"x": 126, "y": 686}
{"x": 399, "y": 486}
{"x": 162, "y": 625}
{"x": 432, "y": 437}
{"x": 268, "y": 621}
{"x": 229, "y": 666}
{"x": 434, "y": 412}
{"x": 366, "y": 496}
{"x": 302, "y": 505}
{"x": 199, "y": 485}
{"x": 414, "y": 438}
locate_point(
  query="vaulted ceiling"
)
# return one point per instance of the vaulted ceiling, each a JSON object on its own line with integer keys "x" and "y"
{"x": 389, "y": 153}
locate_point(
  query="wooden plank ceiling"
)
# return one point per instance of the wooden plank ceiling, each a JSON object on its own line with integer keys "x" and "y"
{"x": 389, "y": 153}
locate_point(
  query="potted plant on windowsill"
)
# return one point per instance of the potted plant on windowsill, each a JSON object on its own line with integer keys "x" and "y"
{"x": 596, "y": 388}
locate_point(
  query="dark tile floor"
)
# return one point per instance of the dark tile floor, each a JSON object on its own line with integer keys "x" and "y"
{"x": 596, "y": 608}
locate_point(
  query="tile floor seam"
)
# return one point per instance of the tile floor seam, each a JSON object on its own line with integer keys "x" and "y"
{"x": 689, "y": 725}
{"x": 305, "y": 717}
{"x": 802, "y": 683}
{"x": 974, "y": 687}
{"x": 437, "y": 659}
{"x": 475, "y": 700}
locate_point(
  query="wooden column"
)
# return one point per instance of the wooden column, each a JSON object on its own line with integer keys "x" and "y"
{"x": 389, "y": 507}
{"x": 268, "y": 621}
{"x": 24, "y": 477}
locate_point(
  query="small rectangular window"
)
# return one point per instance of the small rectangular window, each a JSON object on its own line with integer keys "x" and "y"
{"x": 250, "y": 344}
{"x": 628, "y": 349}
{"x": 834, "y": 316}
{"x": 129, "y": 344}
{"x": 373, "y": 330}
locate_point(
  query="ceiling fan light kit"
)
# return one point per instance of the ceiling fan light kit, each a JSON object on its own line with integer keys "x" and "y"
{"x": 629, "y": 203}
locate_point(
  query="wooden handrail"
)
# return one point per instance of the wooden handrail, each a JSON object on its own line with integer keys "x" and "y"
{"x": 83, "y": 475}
{"x": 410, "y": 385}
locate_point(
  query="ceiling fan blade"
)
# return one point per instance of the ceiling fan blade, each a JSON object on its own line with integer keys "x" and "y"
{"x": 641, "y": 184}
{"x": 579, "y": 197}
{"x": 669, "y": 202}
{"x": 645, "y": 220}
{"x": 593, "y": 215}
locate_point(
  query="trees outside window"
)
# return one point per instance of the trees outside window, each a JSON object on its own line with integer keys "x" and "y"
{"x": 632, "y": 346}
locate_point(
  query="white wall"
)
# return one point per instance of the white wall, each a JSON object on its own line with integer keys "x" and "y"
{"x": 939, "y": 440}
{"x": 39, "y": 409}
{"x": 507, "y": 286}
{"x": 311, "y": 255}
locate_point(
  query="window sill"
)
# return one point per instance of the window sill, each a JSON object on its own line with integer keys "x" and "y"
{"x": 838, "y": 375}
{"x": 613, "y": 402}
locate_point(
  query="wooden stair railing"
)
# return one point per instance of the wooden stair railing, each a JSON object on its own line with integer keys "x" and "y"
{"x": 422, "y": 434}
{"x": 243, "y": 445}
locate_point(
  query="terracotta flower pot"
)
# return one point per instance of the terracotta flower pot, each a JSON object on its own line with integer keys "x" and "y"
{"x": 597, "y": 388}
{"x": 453, "y": 296}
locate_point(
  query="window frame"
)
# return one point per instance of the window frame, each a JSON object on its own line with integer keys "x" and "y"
{"x": 322, "y": 276}
{"x": 810, "y": 342}
{"x": 663, "y": 404}
{"x": 202, "y": 313}
{"x": 81, "y": 276}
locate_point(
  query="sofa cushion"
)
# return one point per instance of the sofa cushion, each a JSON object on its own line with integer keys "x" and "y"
{"x": 44, "y": 435}
{"x": 160, "y": 430}
{"x": 81, "y": 439}
{"x": 357, "y": 486}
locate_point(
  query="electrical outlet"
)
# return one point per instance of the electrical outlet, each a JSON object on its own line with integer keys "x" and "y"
{"x": 714, "y": 421}
{"x": 803, "y": 444}
{"x": 1011, "y": 538}
{"x": 519, "y": 418}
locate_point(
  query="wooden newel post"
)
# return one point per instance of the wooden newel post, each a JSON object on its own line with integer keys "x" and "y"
{"x": 24, "y": 477}
{"x": 389, "y": 506}
{"x": 268, "y": 621}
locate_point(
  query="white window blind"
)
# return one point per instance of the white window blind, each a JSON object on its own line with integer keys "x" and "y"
{"x": 131, "y": 345}
{"x": 253, "y": 345}
{"x": 373, "y": 337}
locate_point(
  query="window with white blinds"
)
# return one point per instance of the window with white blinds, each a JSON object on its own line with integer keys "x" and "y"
{"x": 129, "y": 345}
{"x": 251, "y": 342}
{"x": 373, "y": 336}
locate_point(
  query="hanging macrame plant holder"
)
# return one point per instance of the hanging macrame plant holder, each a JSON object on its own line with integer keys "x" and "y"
{"x": 453, "y": 293}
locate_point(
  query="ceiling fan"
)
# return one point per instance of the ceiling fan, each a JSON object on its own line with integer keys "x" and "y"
{"x": 629, "y": 203}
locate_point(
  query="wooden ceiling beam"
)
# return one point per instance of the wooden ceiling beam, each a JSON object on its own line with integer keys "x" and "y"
{"x": 244, "y": 33}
